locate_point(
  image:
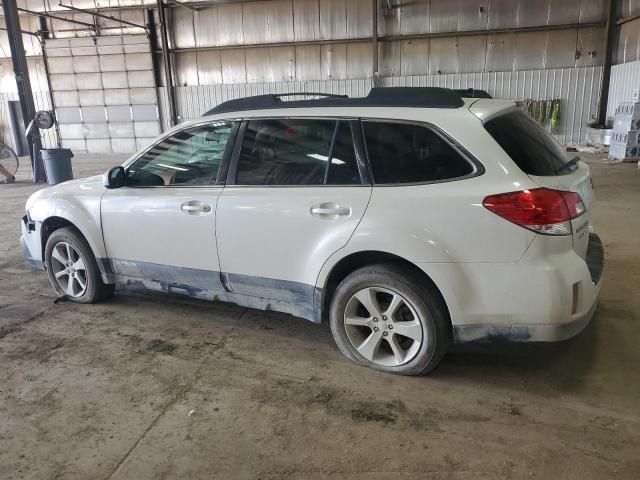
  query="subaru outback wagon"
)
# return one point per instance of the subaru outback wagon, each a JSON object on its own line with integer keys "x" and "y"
{"x": 409, "y": 219}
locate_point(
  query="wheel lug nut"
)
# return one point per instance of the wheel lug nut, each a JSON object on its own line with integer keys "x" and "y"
{"x": 384, "y": 318}
{"x": 375, "y": 319}
{"x": 390, "y": 327}
{"x": 375, "y": 329}
{"x": 384, "y": 334}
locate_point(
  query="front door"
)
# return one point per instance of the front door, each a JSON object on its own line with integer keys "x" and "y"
{"x": 294, "y": 196}
{"x": 161, "y": 226}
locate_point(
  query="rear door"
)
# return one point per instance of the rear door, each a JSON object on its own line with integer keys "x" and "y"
{"x": 547, "y": 163}
{"x": 295, "y": 193}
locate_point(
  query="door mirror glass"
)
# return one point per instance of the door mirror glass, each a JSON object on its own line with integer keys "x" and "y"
{"x": 115, "y": 177}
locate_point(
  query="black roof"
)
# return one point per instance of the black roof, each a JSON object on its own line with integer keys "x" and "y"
{"x": 418, "y": 97}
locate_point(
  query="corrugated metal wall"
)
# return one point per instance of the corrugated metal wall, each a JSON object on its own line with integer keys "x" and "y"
{"x": 577, "y": 87}
{"x": 221, "y": 44}
{"x": 104, "y": 92}
{"x": 624, "y": 79}
{"x": 220, "y": 53}
{"x": 629, "y": 38}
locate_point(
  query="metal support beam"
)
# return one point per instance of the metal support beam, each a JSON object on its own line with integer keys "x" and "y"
{"x": 166, "y": 57}
{"x": 100, "y": 15}
{"x": 494, "y": 31}
{"x": 274, "y": 44}
{"x": 393, "y": 38}
{"x": 374, "y": 39}
{"x": 183, "y": 5}
{"x": 622, "y": 21}
{"x": 609, "y": 46}
{"x": 21, "y": 72}
{"x": 24, "y": 32}
{"x": 44, "y": 36}
{"x": 153, "y": 41}
{"x": 55, "y": 17}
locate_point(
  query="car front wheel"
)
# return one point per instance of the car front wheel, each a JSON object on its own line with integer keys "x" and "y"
{"x": 383, "y": 317}
{"x": 72, "y": 268}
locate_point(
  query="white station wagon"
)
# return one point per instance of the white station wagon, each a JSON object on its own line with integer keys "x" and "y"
{"x": 409, "y": 219}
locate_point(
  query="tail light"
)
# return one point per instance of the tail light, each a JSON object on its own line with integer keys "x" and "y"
{"x": 542, "y": 210}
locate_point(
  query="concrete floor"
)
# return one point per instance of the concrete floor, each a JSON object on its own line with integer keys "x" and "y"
{"x": 144, "y": 387}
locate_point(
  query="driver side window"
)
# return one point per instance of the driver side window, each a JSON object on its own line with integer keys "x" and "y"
{"x": 188, "y": 157}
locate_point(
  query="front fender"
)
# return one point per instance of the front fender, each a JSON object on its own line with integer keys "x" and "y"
{"x": 77, "y": 202}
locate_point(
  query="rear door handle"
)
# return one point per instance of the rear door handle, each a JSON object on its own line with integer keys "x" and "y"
{"x": 330, "y": 209}
{"x": 195, "y": 207}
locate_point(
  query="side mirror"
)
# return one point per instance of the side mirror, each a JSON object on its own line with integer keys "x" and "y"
{"x": 115, "y": 177}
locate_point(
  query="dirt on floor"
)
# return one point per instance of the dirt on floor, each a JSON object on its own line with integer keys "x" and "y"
{"x": 158, "y": 387}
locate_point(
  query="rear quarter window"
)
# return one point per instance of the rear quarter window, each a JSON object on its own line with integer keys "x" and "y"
{"x": 532, "y": 149}
{"x": 402, "y": 153}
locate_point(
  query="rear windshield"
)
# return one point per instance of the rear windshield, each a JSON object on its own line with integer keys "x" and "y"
{"x": 529, "y": 145}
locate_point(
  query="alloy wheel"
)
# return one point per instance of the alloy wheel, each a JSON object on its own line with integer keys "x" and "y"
{"x": 69, "y": 269}
{"x": 383, "y": 326}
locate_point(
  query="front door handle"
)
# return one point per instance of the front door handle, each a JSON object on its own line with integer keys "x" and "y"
{"x": 330, "y": 209}
{"x": 195, "y": 207}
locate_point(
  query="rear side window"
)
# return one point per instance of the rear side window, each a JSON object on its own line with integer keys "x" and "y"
{"x": 297, "y": 152}
{"x": 529, "y": 145}
{"x": 405, "y": 153}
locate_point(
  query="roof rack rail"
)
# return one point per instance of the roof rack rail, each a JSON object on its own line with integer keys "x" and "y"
{"x": 472, "y": 93}
{"x": 308, "y": 94}
{"x": 417, "y": 97}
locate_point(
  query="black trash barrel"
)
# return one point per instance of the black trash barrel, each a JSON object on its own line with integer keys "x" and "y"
{"x": 57, "y": 164}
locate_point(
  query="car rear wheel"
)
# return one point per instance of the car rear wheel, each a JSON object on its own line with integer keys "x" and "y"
{"x": 72, "y": 267}
{"x": 384, "y": 318}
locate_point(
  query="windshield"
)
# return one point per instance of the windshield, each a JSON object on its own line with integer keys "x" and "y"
{"x": 529, "y": 145}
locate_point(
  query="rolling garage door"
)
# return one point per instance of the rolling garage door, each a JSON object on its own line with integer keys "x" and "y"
{"x": 104, "y": 93}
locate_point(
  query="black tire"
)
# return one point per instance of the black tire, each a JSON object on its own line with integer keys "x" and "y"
{"x": 429, "y": 307}
{"x": 95, "y": 290}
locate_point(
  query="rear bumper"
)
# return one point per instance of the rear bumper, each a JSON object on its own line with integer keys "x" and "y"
{"x": 523, "y": 333}
{"x": 30, "y": 242}
{"x": 550, "y": 295}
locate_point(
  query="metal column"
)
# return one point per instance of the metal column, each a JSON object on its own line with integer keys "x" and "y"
{"x": 610, "y": 45}
{"x": 21, "y": 72}
{"x": 166, "y": 56}
{"x": 374, "y": 40}
{"x": 44, "y": 36}
{"x": 153, "y": 42}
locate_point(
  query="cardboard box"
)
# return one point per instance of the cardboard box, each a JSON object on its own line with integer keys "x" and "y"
{"x": 630, "y": 138}
{"x": 620, "y": 151}
{"x": 628, "y": 109}
{"x": 625, "y": 123}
